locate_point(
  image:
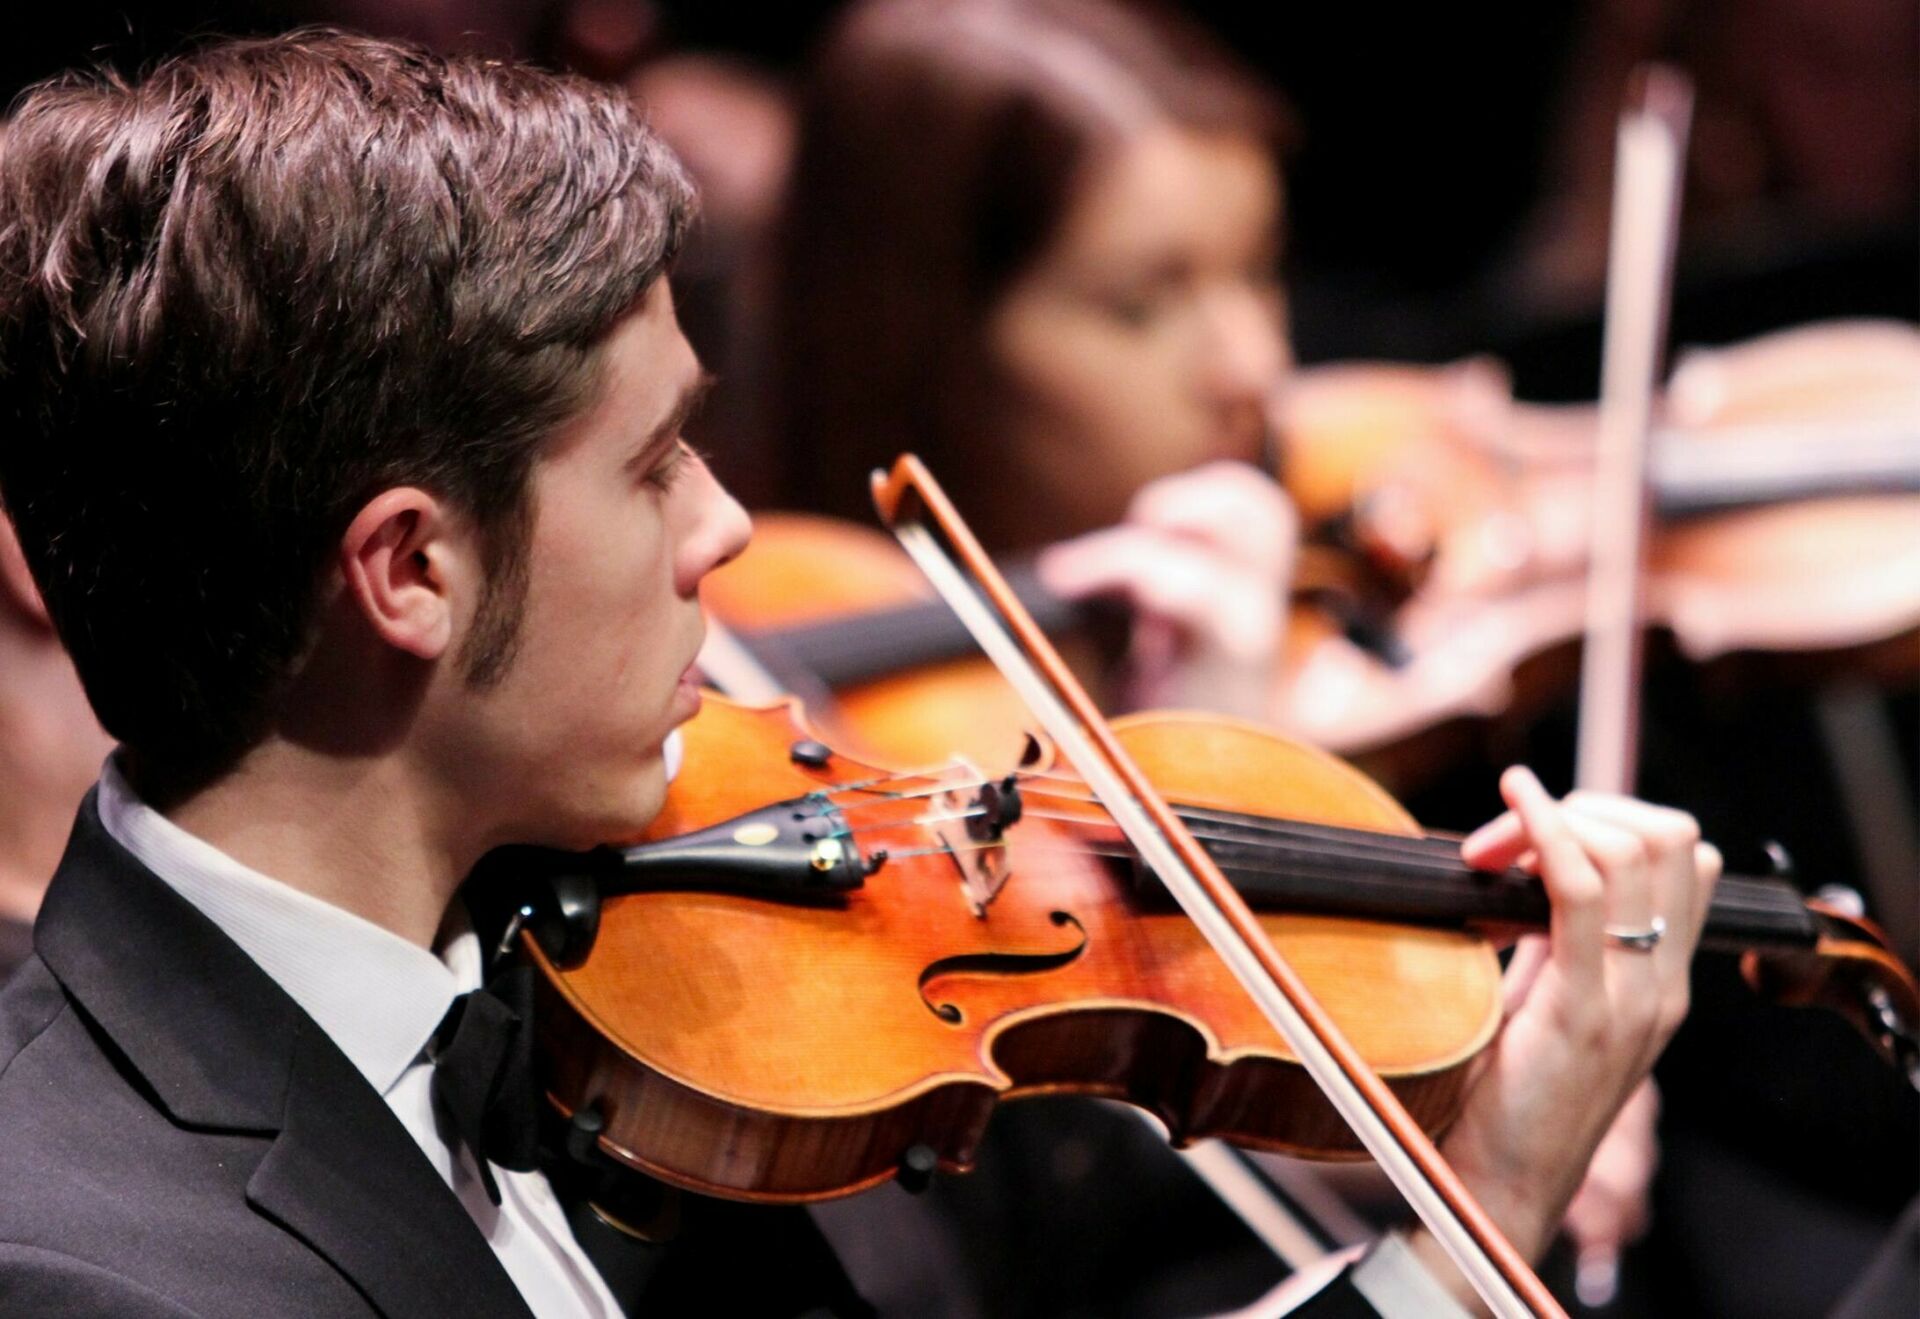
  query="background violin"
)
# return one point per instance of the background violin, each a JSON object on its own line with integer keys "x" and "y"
{"x": 834, "y": 612}
{"x": 1464, "y": 518}
{"x": 1785, "y": 482}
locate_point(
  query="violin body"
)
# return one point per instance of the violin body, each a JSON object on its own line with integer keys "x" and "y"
{"x": 796, "y": 1050}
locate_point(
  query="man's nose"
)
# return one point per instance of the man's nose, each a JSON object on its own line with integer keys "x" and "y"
{"x": 721, "y": 531}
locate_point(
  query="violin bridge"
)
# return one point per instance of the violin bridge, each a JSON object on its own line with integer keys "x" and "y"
{"x": 969, "y": 826}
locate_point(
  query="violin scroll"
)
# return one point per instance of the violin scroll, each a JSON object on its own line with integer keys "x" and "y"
{"x": 1851, "y": 971}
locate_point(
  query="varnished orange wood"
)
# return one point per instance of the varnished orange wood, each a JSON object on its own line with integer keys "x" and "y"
{"x": 799, "y": 568}
{"x": 774, "y": 1051}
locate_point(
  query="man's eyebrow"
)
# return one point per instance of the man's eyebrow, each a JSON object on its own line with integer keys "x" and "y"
{"x": 691, "y": 397}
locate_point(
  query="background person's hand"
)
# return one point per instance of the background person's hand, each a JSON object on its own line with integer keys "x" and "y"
{"x": 1205, "y": 558}
{"x": 1611, "y": 1210}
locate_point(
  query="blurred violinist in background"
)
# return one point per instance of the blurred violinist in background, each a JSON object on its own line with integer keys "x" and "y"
{"x": 1039, "y": 245}
{"x": 1042, "y": 241}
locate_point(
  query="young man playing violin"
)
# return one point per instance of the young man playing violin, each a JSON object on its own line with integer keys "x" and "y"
{"x": 339, "y": 416}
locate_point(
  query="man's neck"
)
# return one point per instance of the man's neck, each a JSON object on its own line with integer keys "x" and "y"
{"x": 50, "y": 751}
{"x": 20, "y": 890}
{"x": 363, "y": 835}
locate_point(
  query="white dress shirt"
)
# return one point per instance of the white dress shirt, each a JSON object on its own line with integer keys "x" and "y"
{"x": 379, "y": 998}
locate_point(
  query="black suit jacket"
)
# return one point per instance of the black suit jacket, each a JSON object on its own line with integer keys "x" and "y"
{"x": 178, "y": 1137}
{"x": 16, "y": 945}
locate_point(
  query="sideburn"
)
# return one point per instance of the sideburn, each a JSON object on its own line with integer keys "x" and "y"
{"x": 488, "y": 651}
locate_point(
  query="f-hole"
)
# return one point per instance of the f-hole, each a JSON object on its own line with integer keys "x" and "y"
{"x": 1004, "y": 964}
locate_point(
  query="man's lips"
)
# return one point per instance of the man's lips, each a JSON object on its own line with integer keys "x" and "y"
{"x": 686, "y": 691}
{"x": 686, "y": 694}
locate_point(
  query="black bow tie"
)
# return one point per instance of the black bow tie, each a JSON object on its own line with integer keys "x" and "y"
{"x": 482, "y": 1053}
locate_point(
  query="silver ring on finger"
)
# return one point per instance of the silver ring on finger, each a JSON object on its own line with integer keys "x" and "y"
{"x": 1639, "y": 941}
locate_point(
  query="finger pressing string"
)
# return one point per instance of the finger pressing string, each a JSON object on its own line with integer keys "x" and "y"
{"x": 1573, "y": 884}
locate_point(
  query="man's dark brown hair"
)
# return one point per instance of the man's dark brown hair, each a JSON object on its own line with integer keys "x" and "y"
{"x": 245, "y": 293}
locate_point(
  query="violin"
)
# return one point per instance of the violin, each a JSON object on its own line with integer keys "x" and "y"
{"x": 1414, "y": 460}
{"x": 1787, "y": 532}
{"x": 813, "y": 973}
{"x": 1785, "y": 481}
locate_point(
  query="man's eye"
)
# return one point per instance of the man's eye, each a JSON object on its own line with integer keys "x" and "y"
{"x": 667, "y": 472}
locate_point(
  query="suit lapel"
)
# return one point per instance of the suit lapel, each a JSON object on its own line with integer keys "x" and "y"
{"x": 223, "y": 1048}
{"x": 346, "y": 1178}
{"x": 205, "y": 1027}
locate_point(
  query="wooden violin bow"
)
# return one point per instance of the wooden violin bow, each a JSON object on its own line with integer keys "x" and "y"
{"x": 1646, "y": 212}
{"x": 1649, "y": 168}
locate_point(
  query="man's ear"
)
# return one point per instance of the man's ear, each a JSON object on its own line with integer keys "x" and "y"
{"x": 402, "y": 560}
{"x": 16, "y": 583}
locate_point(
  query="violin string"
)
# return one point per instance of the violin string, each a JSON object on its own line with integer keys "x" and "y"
{"x": 1735, "y": 895}
{"x": 1758, "y": 895}
{"x": 1123, "y": 853}
{"x": 1118, "y": 853}
{"x": 1441, "y": 850}
{"x": 1433, "y": 855}
{"x": 877, "y": 784}
{"x": 1427, "y": 844}
{"x": 1738, "y": 898}
{"x": 1306, "y": 872}
{"x": 1318, "y": 861}
{"x": 1298, "y": 865}
{"x": 1357, "y": 838}
{"x": 932, "y": 776}
{"x": 1357, "y": 848}
{"x": 1353, "y": 849}
{"x": 1359, "y": 881}
{"x": 1435, "y": 846}
{"x": 1354, "y": 845}
{"x": 1436, "y": 843}
{"x": 1356, "y": 851}
{"x": 1360, "y": 884}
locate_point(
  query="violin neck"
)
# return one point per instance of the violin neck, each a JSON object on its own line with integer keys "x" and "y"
{"x": 842, "y": 652}
{"x": 1326, "y": 870}
{"x": 1754, "y": 465}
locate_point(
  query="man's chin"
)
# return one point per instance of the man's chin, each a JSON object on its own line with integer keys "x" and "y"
{"x": 616, "y": 813}
{"x": 637, "y": 808}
